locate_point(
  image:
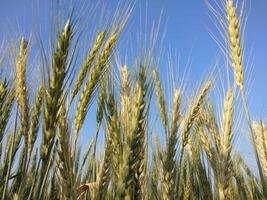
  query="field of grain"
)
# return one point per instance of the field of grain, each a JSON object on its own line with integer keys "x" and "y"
{"x": 189, "y": 153}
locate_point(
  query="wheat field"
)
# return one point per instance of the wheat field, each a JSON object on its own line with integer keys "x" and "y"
{"x": 190, "y": 153}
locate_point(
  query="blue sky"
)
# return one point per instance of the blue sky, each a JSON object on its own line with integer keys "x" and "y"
{"x": 186, "y": 23}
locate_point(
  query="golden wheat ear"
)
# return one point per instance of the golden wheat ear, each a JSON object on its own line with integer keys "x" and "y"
{"x": 21, "y": 87}
{"x": 234, "y": 43}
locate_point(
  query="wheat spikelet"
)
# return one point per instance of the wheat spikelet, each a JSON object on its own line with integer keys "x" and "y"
{"x": 234, "y": 42}
{"x": 21, "y": 87}
{"x": 93, "y": 79}
{"x": 194, "y": 111}
{"x": 88, "y": 63}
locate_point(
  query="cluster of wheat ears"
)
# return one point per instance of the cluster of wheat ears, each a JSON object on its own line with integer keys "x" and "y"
{"x": 194, "y": 158}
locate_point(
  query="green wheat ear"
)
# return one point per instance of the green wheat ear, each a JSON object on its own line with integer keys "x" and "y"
{"x": 96, "y": 72}
{"x": 160, "y": 98}
{"x": 86, "y": 66}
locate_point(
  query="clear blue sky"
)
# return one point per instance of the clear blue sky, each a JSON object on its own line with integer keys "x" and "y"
{"x": 186, "y": 22}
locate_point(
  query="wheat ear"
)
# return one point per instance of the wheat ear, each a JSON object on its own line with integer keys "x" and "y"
{"x": 35, "y": 118}
{"x": 137, "y": 160}
{"x": 65, "y": 163}
{"x": 169, "y": 161}
{"x": 87, "y": 64}
{"x": 194, "y": 112}
{"x": 160, "y": 99}
{"x": 21, "y": 87}
{"x": 226, "y": 147}
{"x": 234, "y": 43}
{"x": 89, "y": 88}
{"x": 5, "y": 110}
{"x": 114, "y": 134}
{"x": 54, "y": 91}
{"x": 105, "y": 170}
